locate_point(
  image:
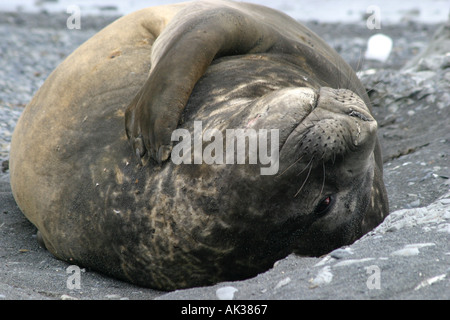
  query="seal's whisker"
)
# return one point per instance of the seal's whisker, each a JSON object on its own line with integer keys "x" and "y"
{"x": 284, "y": 171}
{"x": 323, "y": 155}
{"x": 361, "y": 60}
{"x": 301, "y": 157}
{"x": 304, "y": 183}
{"x": 306, "y": 167}
{"x": 323, "y": 181}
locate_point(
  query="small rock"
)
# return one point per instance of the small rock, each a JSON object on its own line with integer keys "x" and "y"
{"x": 415, "y": 203}
{"x": 323, "y": 277}
{"x": 379, "y": 47}
{"x": 430, "y": 281}
{"x": 420, "y": 245}
{"x": 226, "y": 293}
{"x": 324, "y": 261}
{"x": 406, "y": 252}
{"x": 352, "y": 261}
{"x": 341, "y": 253}
{"x": 282, "y": 283}
{"x": 411, "y": 249}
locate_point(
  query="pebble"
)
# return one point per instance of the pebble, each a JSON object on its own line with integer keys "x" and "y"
{"x": 324, "y": 276}
{"x": 415, "y": 203}
{"x": 113, "y": 296}
{"x": 341, "y": 253}
{"x": 430, "y": 281}
{"x": 352, "y": 261}
{"x": 411, "y": 249}
{"x": 379, "y": 47}
{"x": 406, "y": 252}
{"x": 282, "y": 283}
{"x": 67, "y": 297}
{"x": 324, "y": 261}
{"x": 226, "y": 293}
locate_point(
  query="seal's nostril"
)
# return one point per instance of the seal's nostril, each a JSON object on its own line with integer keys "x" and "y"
{"x": 356, "y": 114}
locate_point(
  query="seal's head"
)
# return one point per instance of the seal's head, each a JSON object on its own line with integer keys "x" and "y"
{"x": 328, "y": 168}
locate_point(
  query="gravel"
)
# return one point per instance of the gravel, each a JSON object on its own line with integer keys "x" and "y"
{"x": 412, "y": 106}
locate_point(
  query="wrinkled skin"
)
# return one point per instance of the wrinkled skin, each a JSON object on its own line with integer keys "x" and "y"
{"x": 135, "y": 214}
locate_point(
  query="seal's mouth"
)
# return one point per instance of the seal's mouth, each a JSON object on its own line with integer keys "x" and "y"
{"x": 334, "y": 122}
{"x": 335, "y": 101}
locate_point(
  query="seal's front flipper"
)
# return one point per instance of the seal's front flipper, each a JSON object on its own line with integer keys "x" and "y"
{"x": 180, "y": 56}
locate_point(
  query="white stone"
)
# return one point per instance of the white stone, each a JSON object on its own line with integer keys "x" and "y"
{"x": 226, "y": 293}
{"x": 379, "y": 47}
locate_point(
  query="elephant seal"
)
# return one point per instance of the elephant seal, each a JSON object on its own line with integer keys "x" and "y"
{"x": 190, "y": 70}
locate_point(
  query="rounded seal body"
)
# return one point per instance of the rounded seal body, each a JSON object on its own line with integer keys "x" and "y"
{"x": 177, "y": 225}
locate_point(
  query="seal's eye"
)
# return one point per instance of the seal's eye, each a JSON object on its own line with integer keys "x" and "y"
{"x": 324, "y": 206}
